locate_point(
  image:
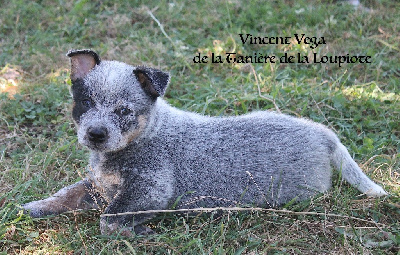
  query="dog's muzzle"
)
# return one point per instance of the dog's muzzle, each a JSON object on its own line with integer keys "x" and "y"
{"x": 97, "y": 134}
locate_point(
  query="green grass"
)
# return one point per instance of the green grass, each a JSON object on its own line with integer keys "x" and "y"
{"x": 39, "y": 153}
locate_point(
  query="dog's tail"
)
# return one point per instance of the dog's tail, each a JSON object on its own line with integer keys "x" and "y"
{"x": 353, "y": 174}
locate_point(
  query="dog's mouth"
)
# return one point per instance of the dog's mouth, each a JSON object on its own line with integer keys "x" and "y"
{"x": 102, "y": 147}
{"x": 101, "y": 138}
{"x": 96, "y": 146}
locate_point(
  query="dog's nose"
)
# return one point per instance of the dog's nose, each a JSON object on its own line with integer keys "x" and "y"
{"x": 97, "y": 134}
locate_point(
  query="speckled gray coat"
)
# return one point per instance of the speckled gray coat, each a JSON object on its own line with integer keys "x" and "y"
{"x": 147, "y": 155}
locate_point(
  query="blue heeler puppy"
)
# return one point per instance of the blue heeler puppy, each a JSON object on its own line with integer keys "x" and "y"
{"x": 146, "y": 155}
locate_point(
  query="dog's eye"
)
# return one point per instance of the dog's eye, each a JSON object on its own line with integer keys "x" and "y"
{"x": 87, "y": 103}
{"x": 123, "y": 111}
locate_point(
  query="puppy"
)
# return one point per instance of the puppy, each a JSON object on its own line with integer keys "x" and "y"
{"x": 148, "y": 155}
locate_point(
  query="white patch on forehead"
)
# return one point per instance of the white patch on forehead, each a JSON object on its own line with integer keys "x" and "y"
{"x": 111, "y": 76}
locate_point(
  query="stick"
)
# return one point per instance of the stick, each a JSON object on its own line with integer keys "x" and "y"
{"x": 238, "y": 209}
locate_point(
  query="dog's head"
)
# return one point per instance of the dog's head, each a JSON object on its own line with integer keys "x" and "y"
{"x": 112, "y": 100}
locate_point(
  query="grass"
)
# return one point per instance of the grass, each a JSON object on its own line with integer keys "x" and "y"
{"x": 39, "y": 152}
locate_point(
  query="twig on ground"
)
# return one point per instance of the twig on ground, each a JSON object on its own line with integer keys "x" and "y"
{"x": 239, "y": 209}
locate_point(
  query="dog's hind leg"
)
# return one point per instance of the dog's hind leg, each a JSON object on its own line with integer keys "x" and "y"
{"x": 80, "y": 195}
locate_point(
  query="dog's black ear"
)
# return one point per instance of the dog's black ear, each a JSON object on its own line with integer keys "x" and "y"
{"x": 82, "y": 61}
{"x": 154, "y": 82}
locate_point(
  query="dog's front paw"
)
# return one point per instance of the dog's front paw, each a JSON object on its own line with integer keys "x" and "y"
{"x": 36, "y": 209}
{"x": 107, "y": 228}
{"x": 143, "y": 230}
